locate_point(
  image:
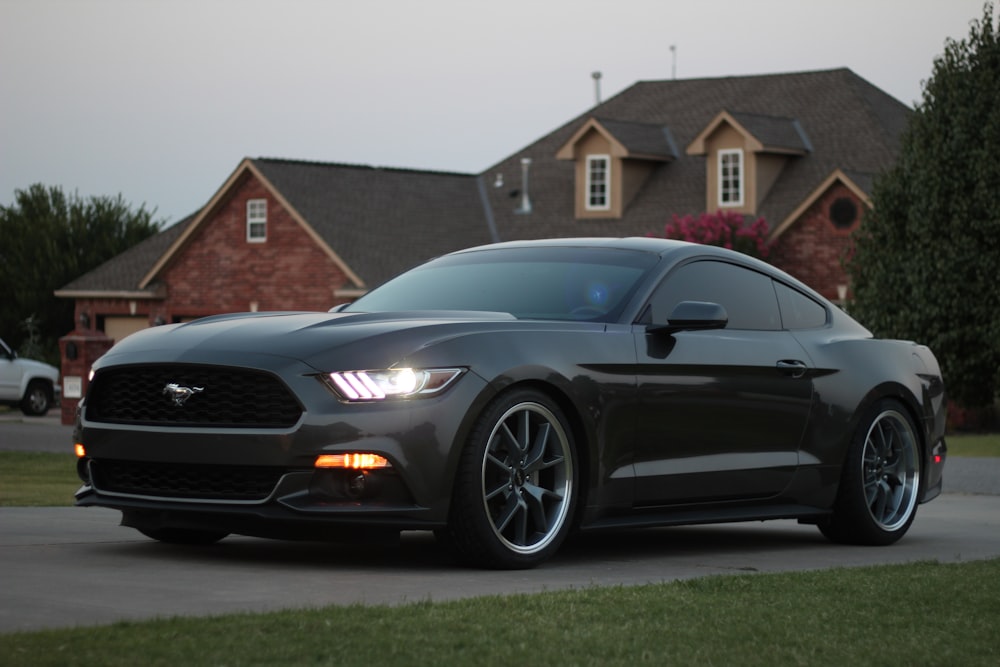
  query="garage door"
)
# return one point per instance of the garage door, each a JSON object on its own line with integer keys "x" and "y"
{"x": 119, "y": 327}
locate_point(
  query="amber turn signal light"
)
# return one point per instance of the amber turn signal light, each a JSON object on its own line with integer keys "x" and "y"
{"x": 352, "y": 461}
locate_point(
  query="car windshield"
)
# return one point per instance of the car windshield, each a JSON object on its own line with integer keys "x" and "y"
{"x": 529, "y": 283}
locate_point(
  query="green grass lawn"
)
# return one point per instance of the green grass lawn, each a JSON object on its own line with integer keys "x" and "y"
{"x": 974, "y": 444}
{"x": 37, "y": 479}
{"x": 917, "y": 614}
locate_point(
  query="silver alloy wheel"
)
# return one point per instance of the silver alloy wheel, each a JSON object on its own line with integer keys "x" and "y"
{"x": 527, "y": 478}
{"x": 38, "y": 400}
{"x": 890, "y": 470}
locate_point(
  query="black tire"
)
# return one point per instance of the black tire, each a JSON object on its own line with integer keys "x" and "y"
{"x": 183, "y": 535}
{"x": 880, "y": 483}
{"x": 37, "y": 398}
{"x": 515, "y": 491}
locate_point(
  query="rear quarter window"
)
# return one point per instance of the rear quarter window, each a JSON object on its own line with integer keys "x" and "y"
{"x": 799, "y": 311}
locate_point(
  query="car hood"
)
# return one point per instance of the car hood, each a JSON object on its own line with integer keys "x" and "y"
{"x": 321, "y": 340}
{"x": 32, "y": 367}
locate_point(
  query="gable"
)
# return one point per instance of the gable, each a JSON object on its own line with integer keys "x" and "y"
{"x": 219, "y": 270}
{"x": 244, "y": 172}
{"x": 836, "y": 177}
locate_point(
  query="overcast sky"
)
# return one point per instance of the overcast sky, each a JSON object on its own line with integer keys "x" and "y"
{"x": 159, "y": 100}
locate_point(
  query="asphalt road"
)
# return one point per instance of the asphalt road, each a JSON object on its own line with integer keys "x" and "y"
{"x": 62, "y": 567}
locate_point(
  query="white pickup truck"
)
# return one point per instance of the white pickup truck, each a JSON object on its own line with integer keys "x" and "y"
{"x": 30, "y": 385}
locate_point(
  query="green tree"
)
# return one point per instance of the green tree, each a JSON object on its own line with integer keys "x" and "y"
{"x": 48, "y": 239}
{"x": 927, "y": 259}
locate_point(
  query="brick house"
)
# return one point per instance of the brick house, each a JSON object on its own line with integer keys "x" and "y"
{"x": 799, "y": 149}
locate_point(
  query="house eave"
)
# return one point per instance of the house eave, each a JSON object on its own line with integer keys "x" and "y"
{"x": 349, "y": 292}
{"x": 148, "y": 295}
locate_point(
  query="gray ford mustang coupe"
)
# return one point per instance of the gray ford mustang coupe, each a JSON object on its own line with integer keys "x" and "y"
{"x": 505, "y": 395}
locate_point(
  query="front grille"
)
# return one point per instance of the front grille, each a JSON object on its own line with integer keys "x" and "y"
{"x": 173, "y": 480}
{"x": 227, "y": 397}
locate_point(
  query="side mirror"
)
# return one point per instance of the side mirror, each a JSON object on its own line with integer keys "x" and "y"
{"x": 693, "y": 316}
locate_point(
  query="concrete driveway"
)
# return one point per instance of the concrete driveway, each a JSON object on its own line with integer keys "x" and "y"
{"x": 62, "y": 567}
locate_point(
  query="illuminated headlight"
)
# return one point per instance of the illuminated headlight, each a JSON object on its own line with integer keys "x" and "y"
{"x": 392, "y": 383}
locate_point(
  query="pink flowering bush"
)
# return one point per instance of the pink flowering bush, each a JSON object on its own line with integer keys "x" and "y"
{"x": 726, "y": 229}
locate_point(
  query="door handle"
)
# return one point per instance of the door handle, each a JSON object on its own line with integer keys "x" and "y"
{"x": 792, "y": 368}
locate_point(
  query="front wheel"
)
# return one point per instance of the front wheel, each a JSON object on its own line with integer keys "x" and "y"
{"x": 37, "y": 398}
{"x": 880, "y": 483}
{"x": 515, "y": 490}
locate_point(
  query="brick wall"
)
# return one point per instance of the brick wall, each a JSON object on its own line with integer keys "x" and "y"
{"x": 219, "y": 271}
{"x": 813, "y": 249}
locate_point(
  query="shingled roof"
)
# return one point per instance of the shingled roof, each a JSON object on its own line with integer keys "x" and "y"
{"x": 381, "y": 221}
{"x": 782, "y": 134}
{"x": 122, "y": 275}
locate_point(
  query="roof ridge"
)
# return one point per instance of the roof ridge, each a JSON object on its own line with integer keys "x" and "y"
{"x": 609, "y": 119}
{"x": 350, "y": 165}
{"x": 766, "y": 75}
{"x": 751, "y": 114}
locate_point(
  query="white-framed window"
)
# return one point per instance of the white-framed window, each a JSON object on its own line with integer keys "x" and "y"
{"x": 256, "y": 220}
{"x": 731, "y": 177}
{"x": 598, "y": 182}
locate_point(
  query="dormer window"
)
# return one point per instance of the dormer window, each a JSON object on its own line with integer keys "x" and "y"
{"x": 256, "y": 220}
{"x": 598, "y": 181}
{"x": 613, "y": 159}
{"x": 745, "y": 155}
{"x": 731, "y": 177}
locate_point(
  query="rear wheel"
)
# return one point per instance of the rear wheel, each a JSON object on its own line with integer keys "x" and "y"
{"x": 37, "y": 398}
{"x": 183, "y": 535}
{"x": 515, "y": 491}
{"x": 880, "y": 483}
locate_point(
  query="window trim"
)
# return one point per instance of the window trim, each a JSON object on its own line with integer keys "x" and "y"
{"x": 588, "y": 198}
{"x": 256, "y": 220}
{"x": 740, "y": 177}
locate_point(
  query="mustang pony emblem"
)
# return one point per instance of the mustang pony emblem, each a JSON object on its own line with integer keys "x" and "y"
{"x": 178, "y": 394}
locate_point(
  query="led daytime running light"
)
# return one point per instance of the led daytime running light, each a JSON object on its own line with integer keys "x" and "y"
{"x": 378, "y": 385}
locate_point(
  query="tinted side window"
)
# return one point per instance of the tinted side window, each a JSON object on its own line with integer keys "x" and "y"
{"x": 747, "y": 296}
{"x": 797, "y": 310}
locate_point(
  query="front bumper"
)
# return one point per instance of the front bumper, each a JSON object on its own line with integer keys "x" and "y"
{"x": 264, "y": 482}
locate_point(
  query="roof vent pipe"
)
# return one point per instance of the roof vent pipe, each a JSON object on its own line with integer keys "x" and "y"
{"x": 597, "y": 86}
{"x": 525, "y": 200}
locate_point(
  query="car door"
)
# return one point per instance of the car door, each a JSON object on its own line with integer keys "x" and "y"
{"x": 10, "y": 374}
{"x": 722, "y": 411}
